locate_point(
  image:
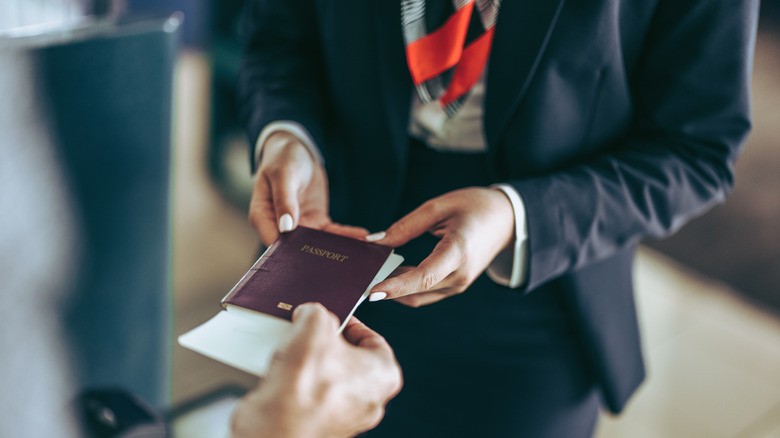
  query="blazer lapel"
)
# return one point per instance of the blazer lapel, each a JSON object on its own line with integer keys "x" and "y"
{"x": 394, "y": 77}
{"x": 522, "y": 32}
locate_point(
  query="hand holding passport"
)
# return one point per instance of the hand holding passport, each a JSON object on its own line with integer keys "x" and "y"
{"x": 304, "y": 265}
{"x": 341, "y": 382}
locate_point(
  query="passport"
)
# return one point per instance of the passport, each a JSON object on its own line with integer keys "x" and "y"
{"x": 303, "y": 265}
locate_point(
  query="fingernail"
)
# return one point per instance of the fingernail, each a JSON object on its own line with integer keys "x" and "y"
{"x": 377, "y": 296}
{"x": 285, "y": 223}
{"x": 376, "y": 236}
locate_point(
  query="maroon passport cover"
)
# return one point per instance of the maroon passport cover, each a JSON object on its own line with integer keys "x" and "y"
{"x": 307, "y": 265}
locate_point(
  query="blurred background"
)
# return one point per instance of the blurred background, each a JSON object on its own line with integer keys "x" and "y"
{"x": 169, "y": 207}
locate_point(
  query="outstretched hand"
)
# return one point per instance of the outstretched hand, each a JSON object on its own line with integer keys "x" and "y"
{"x": 474, "y": 225}
{"x": 291, "y": 189}
{"x": 321, "y": 384}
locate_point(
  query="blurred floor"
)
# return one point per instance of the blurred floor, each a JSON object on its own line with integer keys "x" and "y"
{"x": 213, "y": 244}
{"x": 713, "y": 358}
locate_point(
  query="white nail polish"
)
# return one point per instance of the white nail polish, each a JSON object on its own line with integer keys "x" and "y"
{"x": 376, "y": 236}
{"x": 285, "y": 223}
{"x": 377, "y": 296}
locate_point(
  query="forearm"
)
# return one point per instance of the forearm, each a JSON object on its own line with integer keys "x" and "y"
{"x": 281, "y": 72}
{"x": 690, "y": 101}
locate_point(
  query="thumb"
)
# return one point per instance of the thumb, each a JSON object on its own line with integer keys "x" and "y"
{"x": 284, "y": 192}
{"x": 313, "y": 327}
{"x": 414, "y": 224}
{"x": 314, "y": 317}
{"x": 443, "y": 260}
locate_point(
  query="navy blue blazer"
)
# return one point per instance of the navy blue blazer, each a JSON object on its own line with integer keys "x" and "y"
{"x": 615, "y": 120}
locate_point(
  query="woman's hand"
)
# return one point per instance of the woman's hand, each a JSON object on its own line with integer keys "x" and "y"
{"x": 291, "y": 189}
{"x": 474, "y": 225}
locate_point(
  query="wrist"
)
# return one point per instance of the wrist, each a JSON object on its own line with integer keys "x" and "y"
{"x": 289, "y": 127}
{"x": 506, "y": 210}
{"x": 273, "y": 412}
{"x": 284, "y": 147}
{"x": 509, "y": 267}
{"x": 278, "y": 141}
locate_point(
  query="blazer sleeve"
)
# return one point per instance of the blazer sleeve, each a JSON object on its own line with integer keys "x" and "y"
{"x": 281, "y": 75}
{"x": 690, "y": 92}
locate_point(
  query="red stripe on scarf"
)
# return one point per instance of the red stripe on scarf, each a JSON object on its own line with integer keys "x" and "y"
{"x": 439, "y": 51}
{"x": 470, "y": 67}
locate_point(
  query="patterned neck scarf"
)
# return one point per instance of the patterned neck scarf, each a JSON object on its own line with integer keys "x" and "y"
{"x": 447, "y": 62}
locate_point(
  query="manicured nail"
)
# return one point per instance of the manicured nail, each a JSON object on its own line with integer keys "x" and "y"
{"x": 376, "y": 236}
{"x": 377, "y": 296}
{"x": 285, "y": 223}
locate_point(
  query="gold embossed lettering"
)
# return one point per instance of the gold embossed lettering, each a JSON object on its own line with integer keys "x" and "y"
{"x": 324, "y": 253}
